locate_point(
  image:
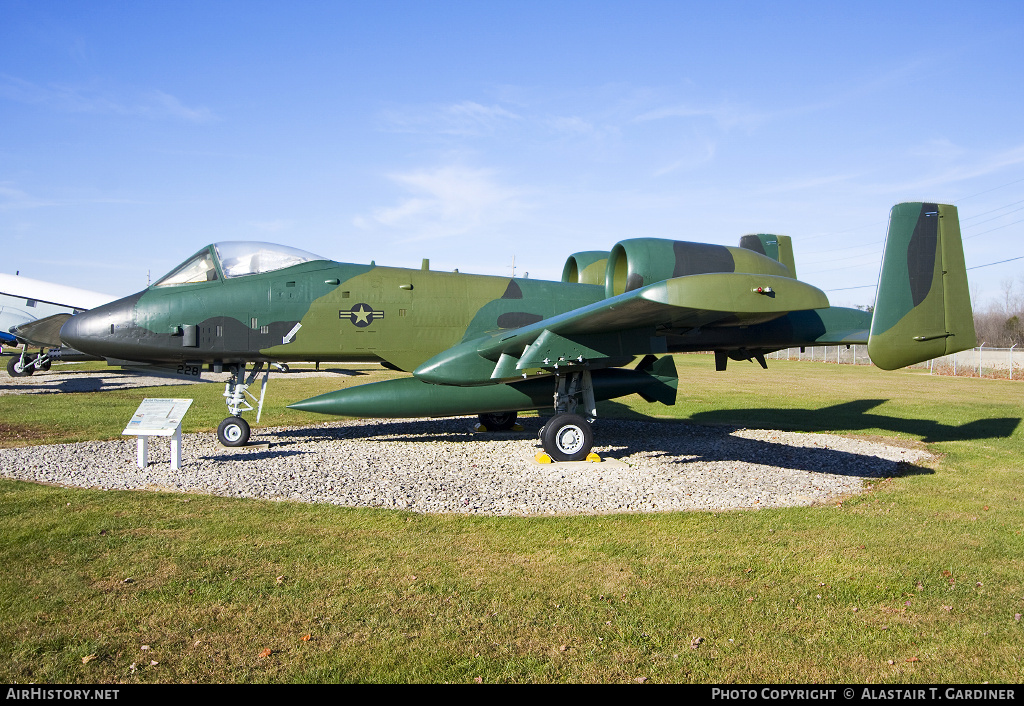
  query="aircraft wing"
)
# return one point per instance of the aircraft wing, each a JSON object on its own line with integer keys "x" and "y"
{"x": 42, "y": 332}
{"x": 614, "y": 330}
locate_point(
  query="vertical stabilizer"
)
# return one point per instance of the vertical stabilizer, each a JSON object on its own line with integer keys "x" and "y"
{"x": 923, "y": 306}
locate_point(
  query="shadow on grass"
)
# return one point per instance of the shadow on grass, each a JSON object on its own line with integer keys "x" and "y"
{"x": 71, "y": 381}
{"x": 856, "y": 415}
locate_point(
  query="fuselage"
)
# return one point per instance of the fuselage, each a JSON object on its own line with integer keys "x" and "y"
{"x": 246, "y": 302}
{"x": 329, "y": 311}
{"x": 318, "y": 311}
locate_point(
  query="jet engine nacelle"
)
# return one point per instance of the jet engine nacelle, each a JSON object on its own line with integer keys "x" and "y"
{"x": 639, "y": 262}
{"x": 586, "y": 267}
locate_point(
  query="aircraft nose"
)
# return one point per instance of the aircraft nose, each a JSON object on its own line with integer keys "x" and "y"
{"x": 73, "y": 332}
{"x": 95, "y": 331}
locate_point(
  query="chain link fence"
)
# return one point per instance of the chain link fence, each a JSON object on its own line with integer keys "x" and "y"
{"x": 844, "y": 355}
{"x": 1007, "y": 363}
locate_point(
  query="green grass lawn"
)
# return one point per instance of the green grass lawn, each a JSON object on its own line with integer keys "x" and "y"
{"x": 919, "y": 579}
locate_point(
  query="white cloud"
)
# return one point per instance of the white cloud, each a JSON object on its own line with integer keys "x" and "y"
{"x": 91, "y": 99}
{"x": 13, "y": 198}
{"x": 447, "y": 201}
{"x": 937, "y": 149}
{"x": 467, "y": 118}
{"x": 274, "y": 226}
{"x": 726, "y": 116}
{"x": 160, "y": 104}
{"x": 967, "y": 166}
{"x": 800, "y": 185}
{"x": 702, "y": 153}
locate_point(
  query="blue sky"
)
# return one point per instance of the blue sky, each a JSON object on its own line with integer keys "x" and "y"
{"x": 472, "y": 133}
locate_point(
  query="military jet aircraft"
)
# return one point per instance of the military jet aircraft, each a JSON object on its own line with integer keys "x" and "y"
{"x": 495, "y": 346}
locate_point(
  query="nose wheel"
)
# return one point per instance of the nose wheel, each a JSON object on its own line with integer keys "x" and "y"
{"x": 24, "y": 364}
{"x": 233, "y": 431}
{"x": 19, "y": 366}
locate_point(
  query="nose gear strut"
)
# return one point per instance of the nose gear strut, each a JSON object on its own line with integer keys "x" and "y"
{"x": 24, "y": 363}
{"x": 234, "y": 431}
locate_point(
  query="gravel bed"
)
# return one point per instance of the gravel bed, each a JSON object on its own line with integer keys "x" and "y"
{"x": 440, "y": 466}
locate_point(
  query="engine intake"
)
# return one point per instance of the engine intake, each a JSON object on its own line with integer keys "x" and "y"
{"x": 586, "y": 267}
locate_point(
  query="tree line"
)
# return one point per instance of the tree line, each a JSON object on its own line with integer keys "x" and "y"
{"x": 1000, "y": 323}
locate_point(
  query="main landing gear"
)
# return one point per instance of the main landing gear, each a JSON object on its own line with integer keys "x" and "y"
{"x": 568, "y": 436}
{"x": 498, "y": 421}
{"x": 234, "y": 431}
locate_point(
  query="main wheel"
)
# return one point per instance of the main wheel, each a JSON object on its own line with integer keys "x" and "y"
{"x": 498, "y": 421}
{"x": 567, "y": 437}
{"x": 233, "y": 431}
{"x": 16, "y": 370}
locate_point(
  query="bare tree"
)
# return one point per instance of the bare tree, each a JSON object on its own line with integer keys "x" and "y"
{"x": 1001, "y": 323}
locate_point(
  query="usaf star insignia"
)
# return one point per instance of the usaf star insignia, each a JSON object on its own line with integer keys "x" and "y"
{"x": 362, "y": 315}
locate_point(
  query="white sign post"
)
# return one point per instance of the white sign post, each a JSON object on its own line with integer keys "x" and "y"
{"x": 158, "y": 417}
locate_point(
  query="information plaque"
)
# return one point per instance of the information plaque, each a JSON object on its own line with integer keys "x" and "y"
{"x": 158, "y": 417}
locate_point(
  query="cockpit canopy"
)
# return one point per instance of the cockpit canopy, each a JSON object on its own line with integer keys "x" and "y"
{"x": 236, "y": 258}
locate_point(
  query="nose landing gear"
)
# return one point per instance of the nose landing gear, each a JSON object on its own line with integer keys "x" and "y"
{"x": 234, "y": 431}
{"x": 19, "y": 366}
{"x": 24, "y": 364}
